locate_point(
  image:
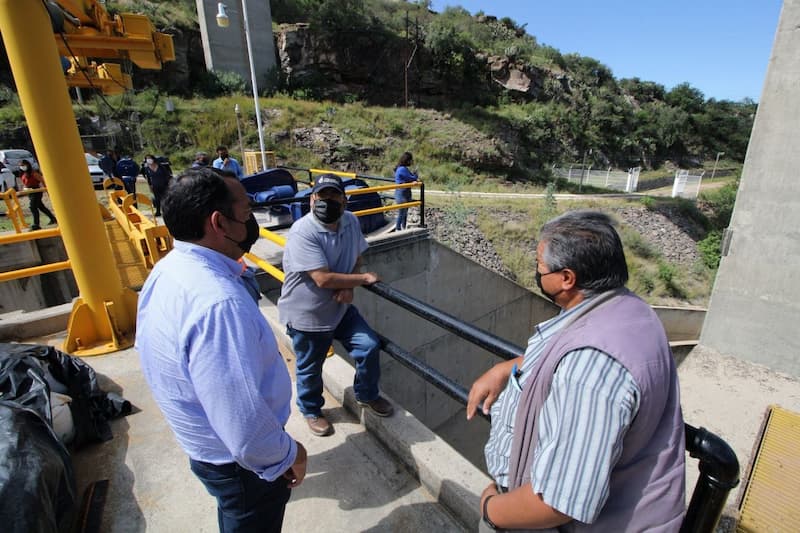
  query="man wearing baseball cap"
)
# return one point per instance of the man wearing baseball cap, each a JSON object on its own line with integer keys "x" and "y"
{"x": 322, "y": 262}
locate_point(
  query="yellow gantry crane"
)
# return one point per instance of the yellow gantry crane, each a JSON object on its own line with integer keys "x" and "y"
{"x": 37, "y": 34}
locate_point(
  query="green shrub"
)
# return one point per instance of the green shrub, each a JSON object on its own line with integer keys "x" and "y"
{"x": 710, "y": 249}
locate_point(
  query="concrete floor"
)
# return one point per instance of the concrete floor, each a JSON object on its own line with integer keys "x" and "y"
{"x": 353, "y": 482}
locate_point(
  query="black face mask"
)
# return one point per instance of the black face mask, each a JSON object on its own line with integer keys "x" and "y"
{"x": 327, "y": 211}
{"x": 252, "y": 233}
{"x": 538, "y": 277}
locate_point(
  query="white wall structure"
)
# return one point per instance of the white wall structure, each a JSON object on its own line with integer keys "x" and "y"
{"x": 225, "y": 49}
{"x": 754, "y": 313}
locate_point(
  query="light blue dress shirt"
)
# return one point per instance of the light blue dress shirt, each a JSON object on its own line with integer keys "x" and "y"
{"x": 233, "y": 165}
{"x": 212, "y": 362}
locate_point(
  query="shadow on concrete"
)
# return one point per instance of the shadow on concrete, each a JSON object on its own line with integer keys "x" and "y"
{"x": 402, "y": 519}
{"x": 106, "y": 460}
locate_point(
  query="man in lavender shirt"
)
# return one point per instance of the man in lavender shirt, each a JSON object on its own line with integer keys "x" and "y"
{"x": 211, "y": 360}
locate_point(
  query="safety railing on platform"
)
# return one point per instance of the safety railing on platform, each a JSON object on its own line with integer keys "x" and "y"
{"x": 151, "y": 240}
{"x": 364, "y": 190}
{"x": 14, "y": 209}
{"x": 719, "y": 467}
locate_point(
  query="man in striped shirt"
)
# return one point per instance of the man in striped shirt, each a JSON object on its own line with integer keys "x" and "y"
{"x": 587, "y": 432}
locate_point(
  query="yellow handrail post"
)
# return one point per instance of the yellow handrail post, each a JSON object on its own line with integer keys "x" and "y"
{"x": 103, "y": 316}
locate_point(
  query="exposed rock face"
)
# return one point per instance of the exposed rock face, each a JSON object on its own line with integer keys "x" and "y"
{"x": 516, "y": 77}
{"x": 301, "y": 55}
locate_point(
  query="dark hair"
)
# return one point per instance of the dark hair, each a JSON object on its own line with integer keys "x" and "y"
{"x": 586, "y": 243}
{"x": 222, "y": 147}
{"x": 191, "y": 199}
{"x": 150, "y": 156}
{"x": 405, "y": 160}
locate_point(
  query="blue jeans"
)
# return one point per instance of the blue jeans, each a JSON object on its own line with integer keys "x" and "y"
{"x": 130, "y": 184}
{"x": 311, "y": 348}
{"x": 246, "y": 503}
{"x": 401, "y": 196}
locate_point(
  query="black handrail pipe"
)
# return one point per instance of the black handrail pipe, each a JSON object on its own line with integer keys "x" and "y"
{"x": 473, "y": 334}
{"x": 428, "y": 373}
{"x": 719, "y": 474}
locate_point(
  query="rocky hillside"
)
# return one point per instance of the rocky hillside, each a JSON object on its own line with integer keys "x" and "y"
{"x": 670, "y": 235}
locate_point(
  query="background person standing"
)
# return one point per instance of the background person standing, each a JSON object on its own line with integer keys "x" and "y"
{"x": 158, "y": 177}
{"x": 33, "y": 179}
{"x": 403, "y": 174}
{"x": 322, "y": 261}
{"x": 225, "y": 162}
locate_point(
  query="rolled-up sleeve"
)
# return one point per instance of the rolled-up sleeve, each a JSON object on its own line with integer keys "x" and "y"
{"x": 243, "y": 385}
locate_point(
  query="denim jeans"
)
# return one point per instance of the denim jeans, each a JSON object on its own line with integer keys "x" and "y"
{"x": 246, "y": 503}
{"x": 311, "y": 347}
{"x": 401, "y": 196}
{"x": 130, "y": 184}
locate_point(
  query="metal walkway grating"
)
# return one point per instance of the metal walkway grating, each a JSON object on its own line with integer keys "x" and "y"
{"x": 771, "y": 500}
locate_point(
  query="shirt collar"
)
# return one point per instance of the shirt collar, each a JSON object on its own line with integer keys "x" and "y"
{"x": 211, "y": 257}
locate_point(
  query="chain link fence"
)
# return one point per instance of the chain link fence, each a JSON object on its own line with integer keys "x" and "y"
{"x": 617, "y": 180}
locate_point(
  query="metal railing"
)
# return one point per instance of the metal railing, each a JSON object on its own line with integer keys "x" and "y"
{"x": 364, "y": 190}
{"x": 719, "y": 467}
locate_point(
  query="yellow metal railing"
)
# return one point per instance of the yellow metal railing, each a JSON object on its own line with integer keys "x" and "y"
{"x": 14, "y": 209}
{"x": 252, "y": 161}
{"x": 38, "y": 269}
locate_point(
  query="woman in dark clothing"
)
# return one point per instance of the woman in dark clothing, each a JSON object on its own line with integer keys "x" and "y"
{"x": 158, "y": 177}
{"x": 33, "y": 179}
{"x": 403, "y": 174}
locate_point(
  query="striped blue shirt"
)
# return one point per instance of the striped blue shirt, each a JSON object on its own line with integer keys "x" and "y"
{"x": 212, "y": 362}
{"x": 592, "y": 402}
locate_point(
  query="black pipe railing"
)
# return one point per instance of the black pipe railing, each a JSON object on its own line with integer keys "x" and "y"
{"x": 719, "y": 467}
{"x": 475, "y": 335}
{"x": 428, "y": 373}
{"x": 719, "y": 474}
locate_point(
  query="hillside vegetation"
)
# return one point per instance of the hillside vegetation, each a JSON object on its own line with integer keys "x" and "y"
{"x": 472, "y": 124}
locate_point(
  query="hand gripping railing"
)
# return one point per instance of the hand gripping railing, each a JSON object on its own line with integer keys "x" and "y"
{"x": 719, "y": 467}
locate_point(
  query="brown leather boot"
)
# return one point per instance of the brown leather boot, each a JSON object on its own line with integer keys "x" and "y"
{"x": 319, "y": 426}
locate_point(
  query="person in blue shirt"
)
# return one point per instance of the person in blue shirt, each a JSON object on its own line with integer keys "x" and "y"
{"x": 127, "y": 170}
{"x": 322, "y": 263}
{"x": 226, "y": 162}
{"x": 403, "y": 174}
{"x": 211, "y": 359}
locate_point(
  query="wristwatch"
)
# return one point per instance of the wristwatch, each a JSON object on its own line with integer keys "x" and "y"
{"x": 486, "y": 512}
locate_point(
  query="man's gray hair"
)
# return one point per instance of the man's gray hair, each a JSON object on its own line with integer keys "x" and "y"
{"x": 586, "y": 243}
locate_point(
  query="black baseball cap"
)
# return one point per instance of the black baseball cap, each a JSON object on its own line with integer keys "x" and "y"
{"x": 328, "y": 181}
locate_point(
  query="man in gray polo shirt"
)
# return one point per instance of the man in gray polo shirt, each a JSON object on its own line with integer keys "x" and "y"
{"x": 321, "y": 261}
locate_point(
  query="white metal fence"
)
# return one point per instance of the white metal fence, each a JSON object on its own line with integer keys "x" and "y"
{"x": 686, "y": 185}
{"x": 618, "y": 180}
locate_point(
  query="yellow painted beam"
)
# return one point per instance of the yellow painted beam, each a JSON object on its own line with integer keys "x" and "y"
{"x": 34, "y": 271}
{"x": 103, "y": 317}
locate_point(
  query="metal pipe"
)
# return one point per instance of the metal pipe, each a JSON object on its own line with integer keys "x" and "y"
{"x": 428, "y": 373}
{"x": 34, "y": 271}
{"x": 719, "y": 474}
{"x": 473, "y": 334}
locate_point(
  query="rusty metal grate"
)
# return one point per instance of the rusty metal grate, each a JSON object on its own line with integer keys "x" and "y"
{"x": 771, "y": 500}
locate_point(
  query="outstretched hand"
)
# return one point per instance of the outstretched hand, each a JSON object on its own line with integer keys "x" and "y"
{"x": 488, "y": 387}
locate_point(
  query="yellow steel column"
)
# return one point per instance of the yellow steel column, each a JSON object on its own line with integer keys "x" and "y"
{"x": 103, "y": 317}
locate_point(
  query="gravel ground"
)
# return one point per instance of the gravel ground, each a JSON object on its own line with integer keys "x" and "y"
{"x": 674, "y": 237}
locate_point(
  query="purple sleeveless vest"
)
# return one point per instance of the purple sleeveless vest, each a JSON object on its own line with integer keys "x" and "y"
{"x": 647, "y": 490}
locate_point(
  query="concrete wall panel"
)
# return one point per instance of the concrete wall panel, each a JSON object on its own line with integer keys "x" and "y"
{"x": 754, "y": 308}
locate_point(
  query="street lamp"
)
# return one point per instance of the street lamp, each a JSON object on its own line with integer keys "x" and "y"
{"x": 238, "y": 112}
{"x": 223, "y": 21}
{"x": 715, "y": 164}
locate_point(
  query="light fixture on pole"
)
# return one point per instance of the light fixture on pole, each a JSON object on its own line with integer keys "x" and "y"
{"x": 238, "y": 113}
{"x": 223, "y": 22}
{"x": 715, "y": 164}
